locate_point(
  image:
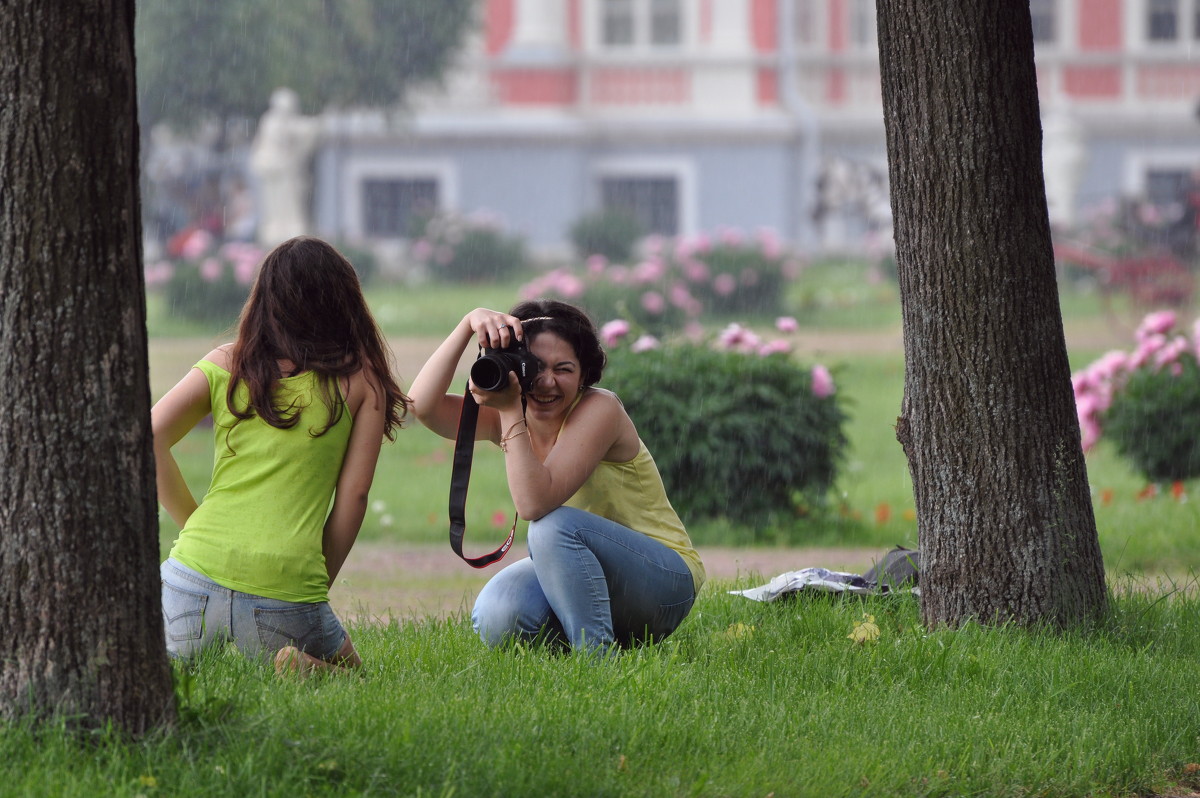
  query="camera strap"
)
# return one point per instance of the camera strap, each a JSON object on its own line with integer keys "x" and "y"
{"x": 460, "y": 478}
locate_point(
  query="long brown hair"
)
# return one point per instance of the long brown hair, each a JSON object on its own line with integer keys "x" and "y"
{"x": 307, "y": 307}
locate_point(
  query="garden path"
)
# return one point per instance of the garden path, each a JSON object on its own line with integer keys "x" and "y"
{"x": 412, "y": 581}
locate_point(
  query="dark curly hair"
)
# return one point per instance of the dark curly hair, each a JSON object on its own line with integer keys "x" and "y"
{"x": 570, "y": 324}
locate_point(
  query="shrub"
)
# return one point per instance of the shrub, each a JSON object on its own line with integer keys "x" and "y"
{"x": 676, "y": 280}
{"x": 610, "y": 233}
{"x": 468, "y": 249}
{"x": 203, "y": 281}
{"x": 736, "y": 434}
{"x": 1146, "y": 401}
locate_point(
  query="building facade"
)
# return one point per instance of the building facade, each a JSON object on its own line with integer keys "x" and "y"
{"x": 698, "y": 115}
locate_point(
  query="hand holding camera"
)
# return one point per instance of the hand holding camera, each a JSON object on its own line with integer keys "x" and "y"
{"x": 490, "y": 371}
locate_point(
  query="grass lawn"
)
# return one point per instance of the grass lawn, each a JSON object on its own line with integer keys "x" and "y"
{"x": 746, "y": 699}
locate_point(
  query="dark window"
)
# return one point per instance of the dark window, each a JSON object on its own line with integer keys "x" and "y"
{"x": 1166, "y": 186}
{"x": 392, "y": 205}
{"x": 1162, "y": 21}
{"x": 1043, "y": 14}
{"x": 666, "y": 24}
{"x": 654, "y": 201}
{"x": 617, "y": 22}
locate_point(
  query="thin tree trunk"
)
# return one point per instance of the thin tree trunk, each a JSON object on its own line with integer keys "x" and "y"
{"x": 79, "y": 592}
{"x": 988, "y": 417}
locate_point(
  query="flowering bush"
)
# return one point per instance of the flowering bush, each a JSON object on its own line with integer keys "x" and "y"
{"x": 1146, "y": 401}
{"x": 467, "y": 249}
{"x": 739, "y": 430}
{"x": 205, "y": 281}
{"x": 678, "y": 279}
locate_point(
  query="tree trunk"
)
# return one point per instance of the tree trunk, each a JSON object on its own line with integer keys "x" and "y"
{"x": 988, "y": 418}
{"x": 79, "y": 591}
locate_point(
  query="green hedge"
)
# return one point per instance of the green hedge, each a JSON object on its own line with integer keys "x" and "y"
{"x": 737, "y": 436}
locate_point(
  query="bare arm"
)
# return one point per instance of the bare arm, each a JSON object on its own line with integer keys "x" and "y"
{"x": 358, "y": 472}
{"x": 432, "y": 405}
{"x": 598, "y": 429}
{"x": 173, "y": 416}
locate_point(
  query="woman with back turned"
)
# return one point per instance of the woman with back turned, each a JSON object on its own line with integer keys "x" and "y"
{"x": 301, "y": 402}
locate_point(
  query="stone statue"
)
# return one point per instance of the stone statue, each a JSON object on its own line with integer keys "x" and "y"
{"x": 280, "y": 159}
{"x": 1063, "y": 159}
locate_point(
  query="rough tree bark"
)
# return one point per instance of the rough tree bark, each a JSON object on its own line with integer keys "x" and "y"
{"x": 79, "y": 592}
{"x": 988, "y": 417}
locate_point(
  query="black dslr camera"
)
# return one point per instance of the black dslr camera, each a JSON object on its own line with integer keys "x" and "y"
{"x": 490, "y": 371}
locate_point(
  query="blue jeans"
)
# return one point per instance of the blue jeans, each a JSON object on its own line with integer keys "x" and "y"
{"x": 198, "y": 613}
{"x": 588, "y": 581}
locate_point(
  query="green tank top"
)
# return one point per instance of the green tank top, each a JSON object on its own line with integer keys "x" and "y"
{"x": 259, "y": 528}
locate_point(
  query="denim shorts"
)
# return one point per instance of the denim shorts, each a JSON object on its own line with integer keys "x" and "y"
{"x": 199, "y": 613}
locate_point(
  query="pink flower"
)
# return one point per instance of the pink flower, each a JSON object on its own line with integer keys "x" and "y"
{"x": 644, "y": 343}
{"x": 822, "y": 382}
{"x": 695, "y": 270}
{"x": 500, "y": 519}
{"x": 730, "y": 236}
{"x": 243, "y": 271}
{"x": 653, "y": 302}
{"x": 732, "y": 336}
{"x": 596, "y": 264}
{"x": 1089, "y": 433}
{"x": 768, "y": 239}
{"x": 786, "y": 324}
{"x": 196, "y": 244}
{"x": 1146, "y": 350}
{"x": 681, "y": 297}
{"x": 613, "y": 331}
{"x": 724, "y": 284}
{"x": 775, "y": 347}
{"x": 159, "y": 273}
{"x": 1170, "y": 352}
{"x": 568, "y": 285}
{"x": 422, "y": 250}
{"x": 649, "y": 271}
{"x": 210, "y": 270}
{"x": 1157, "y": 323}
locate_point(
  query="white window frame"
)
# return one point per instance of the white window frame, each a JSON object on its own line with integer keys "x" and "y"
{"x": 359, "y": 170}
{"x": 681, "y": 170}
{"x": 1186, "y": 36}
{"x": 1139, "y": 164}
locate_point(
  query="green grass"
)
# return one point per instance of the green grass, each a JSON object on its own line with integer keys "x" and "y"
{"x": 746, "y": 699}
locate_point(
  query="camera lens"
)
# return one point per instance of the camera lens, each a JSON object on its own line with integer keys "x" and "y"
{"x": 489, "y": 373}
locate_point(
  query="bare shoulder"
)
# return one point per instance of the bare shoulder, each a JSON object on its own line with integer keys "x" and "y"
{"x": 602, "y": 396}
{"x": 599, "y": 403}
{"x": 362, "y": 385}
{"x": 221, "y": 356}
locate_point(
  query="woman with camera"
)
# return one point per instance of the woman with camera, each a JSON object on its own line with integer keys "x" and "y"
{"x": 610, "y": 562}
